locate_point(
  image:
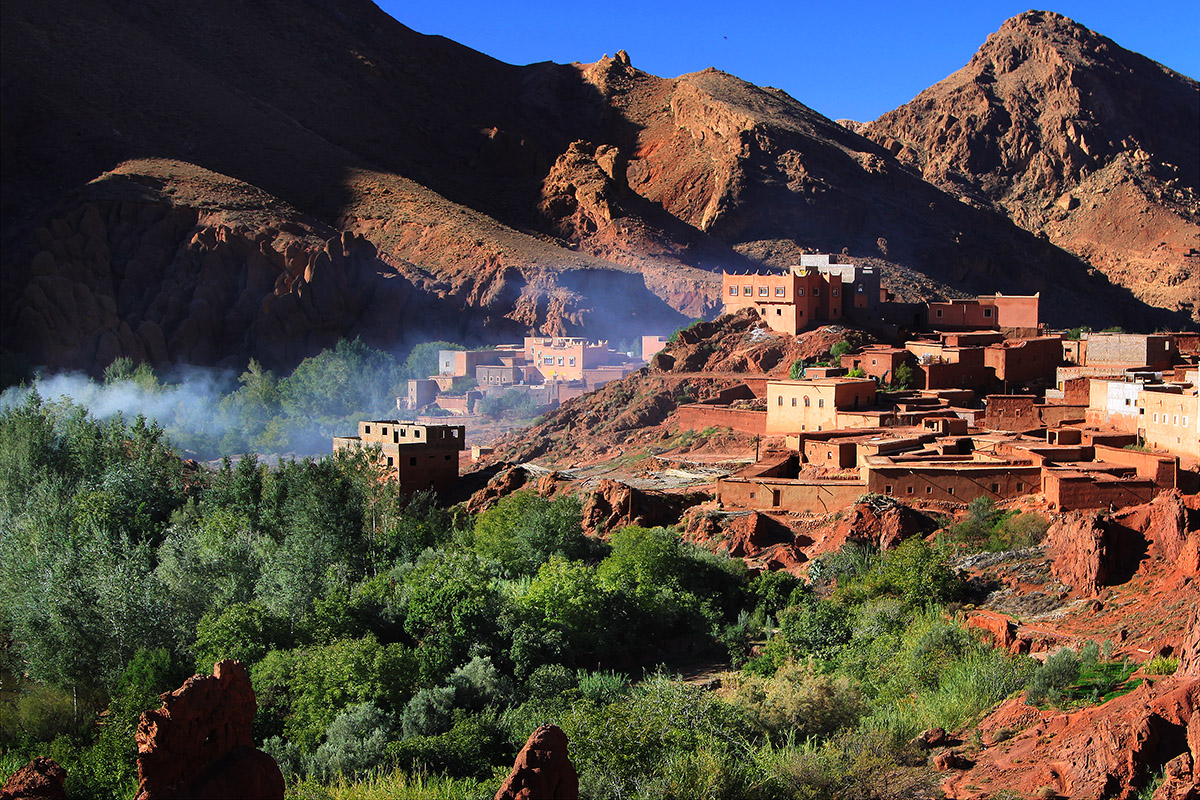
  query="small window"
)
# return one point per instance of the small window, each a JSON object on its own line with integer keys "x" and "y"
{"x": 549, "y": 360}
{"x": 748, "y": 291}
{"x": 764, "y": 291}
{"x": 733, "y": 291}
{"x": 800, "y": 312}
{"x": 780, "y": 291}
{"x": 385, "y": 431}
{"x": 887, "y": 489}
{"x": 1020, "y": 487}
{"x": 829, "y": 455}
{"x": 1126, "y": 401}
{"x": 779, "y": 312}
{"x": 1175, "y": 420}
{"x": 820, "y": 402}
{"x": 996, "y": 488}
{"x": 950, "y": 490}
{"x": 816, "y": 291}
{"x": 367, "y": 429}
{"x": 571, "y": 361}
{"x": 806, "y": 401}
{"x": 1156, "y": 416}
{"x": 391, "y": 463}
{"x": 987, "y": 313}
{"x": 404, "y": 432}
{"x": 793, "y": 402}
{"x": 910, "y": 490}
{"x": 1185, "y": 420}
{"x": 752, "y": 495}
{"x": 928, "y": 490}
{"x": 560, "y": 361}
{"x": 836, "y": 292}
{"x": 800, "y": 292}
{"x": 939, "y": 313}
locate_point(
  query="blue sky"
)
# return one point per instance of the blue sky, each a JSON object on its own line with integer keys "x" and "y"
{"x": 851, "y": 60}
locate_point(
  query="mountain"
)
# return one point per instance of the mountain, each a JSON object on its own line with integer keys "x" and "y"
{"x": 203, "y": 183}
{"x": 1075, "y": 139}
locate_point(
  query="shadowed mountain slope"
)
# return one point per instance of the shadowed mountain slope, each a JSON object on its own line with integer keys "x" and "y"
{"x": 203, "y": 183}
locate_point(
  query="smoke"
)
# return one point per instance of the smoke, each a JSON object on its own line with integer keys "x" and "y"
{"x": 188, "y": 404}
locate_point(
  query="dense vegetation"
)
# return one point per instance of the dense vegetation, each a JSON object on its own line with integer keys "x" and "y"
{"x": 209, "y": 413}
{"x": 409, "y": 650}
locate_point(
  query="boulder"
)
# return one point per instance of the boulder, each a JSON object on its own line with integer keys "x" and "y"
{"x": 40, "y": 779}
{"x": 199, "y": 744}
{"x": 543, "y": 769}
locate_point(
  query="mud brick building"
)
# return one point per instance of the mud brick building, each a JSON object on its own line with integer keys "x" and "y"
{"x": 420, "y": 457}
{"x": 811, "y": 292}
{"x": 1169, "y": 419}
{"x": 812, "y": 405}
{"x": 1017, "y": 314}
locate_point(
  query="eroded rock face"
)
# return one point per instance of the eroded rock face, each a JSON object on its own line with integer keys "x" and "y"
{"x": 199, "y": 744}
{"x": 40, "y": 779}
{"x": 1097, "y": 752}
{"x": 542, "y": 770}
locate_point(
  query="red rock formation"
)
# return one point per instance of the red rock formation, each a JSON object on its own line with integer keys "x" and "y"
{"x": 1077, "y": 543}
{"x": 543, "y": 769}
{"x": 199, "y": 743}
{"x": 1098, "y": 752}
{"x": 40, "y": 779}
{"x": 611, "y": 505}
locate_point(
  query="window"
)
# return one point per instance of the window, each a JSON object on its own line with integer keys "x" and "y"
{"x": 996, "y": 488}
{"x": 816, "y": 291}
{"x": 367, "y": 429}
{"x": 390, "y": 462}
{"x": 806, "y": 401}
{"x": 780, "y": 291}
{"x": 746, "y": 290}
{"x": 950, "y": 490}
{"x": 733, "y": 291}
{"x": 910, "y": 490}
{"x": 987, "y": 313}
{"x": 1175, "y": 420}
{"x": 1126, "y": 401}
{"x": 793, "y": 402}
{"x": 939, "y": 313}
{"x": 1185, "y": 420}
{"x": 928, "y": 490}
{"x": 836, "y": 292}
{"x": 385, "y": 430}
{"x": 548, "y": 360}
{"x": 820, "y": 402}
{"x": 752, "y": 495}
{"x": 779, "y": 312}
{"x": 779, "y": 401}
{"x": 1156, "y": 416}
{"x": 887, "y": 489}
{"x": 764, "y": 291}
{"x": 571, "y": 361}
{"x": 800, "y": 292}
{"x": 874, "y": 362}
{"x": 829, "y": 455}
{"x": 404, "y": 432}
{"x": 560, "y": 361}
{"x": 1020, "y": 487}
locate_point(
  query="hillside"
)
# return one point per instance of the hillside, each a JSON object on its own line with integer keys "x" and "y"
{"x": 1075, "y": 139}
{"x": 486, "y": 199}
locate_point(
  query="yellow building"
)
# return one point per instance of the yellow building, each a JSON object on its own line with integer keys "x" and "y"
{"x": 1169, "y": 420}
{"x": 812, "y": 405}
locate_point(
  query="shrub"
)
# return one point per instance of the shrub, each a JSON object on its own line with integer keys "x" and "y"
{"x": 1161, "y": 665}
{"x": 354, "y": 742}
{"x": 1051, "y": 680}
{"x": 799, "y": 702}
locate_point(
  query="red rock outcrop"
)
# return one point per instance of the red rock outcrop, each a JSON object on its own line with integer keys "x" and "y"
{"x": 762, "y": 542}
{"x": 542, "y": 770}
{"x": 199, "y": 744}
{"x": 610, "y": 505}
{"x": 40, "y": 779}
{"x": 1091, "y": 550}
{"x": 1111, "y": 750}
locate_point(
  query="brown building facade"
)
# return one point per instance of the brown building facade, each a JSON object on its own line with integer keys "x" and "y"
{"x": 420, "y": 457}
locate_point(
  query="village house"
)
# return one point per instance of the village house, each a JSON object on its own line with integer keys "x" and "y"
{"x": 1013, "y": 314}
{"x": 813, "y": 404}
{"x": 1169, "y": 419}
{"x": 419, "y": 457}
{"x": 811, "y": 292}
